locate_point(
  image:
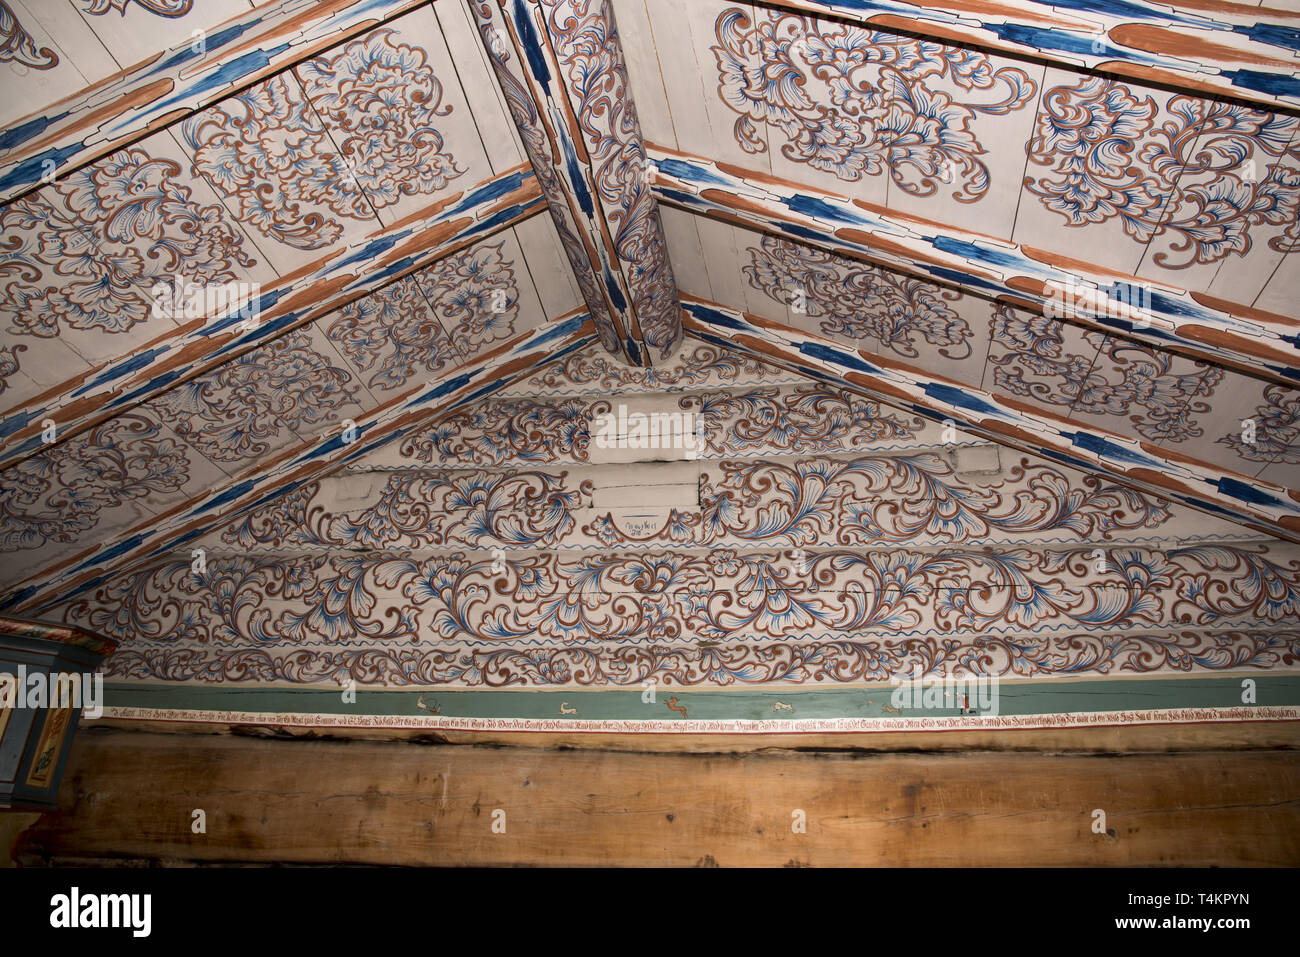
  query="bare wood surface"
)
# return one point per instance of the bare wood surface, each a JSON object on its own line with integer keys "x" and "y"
{"x": 131, "y": 797}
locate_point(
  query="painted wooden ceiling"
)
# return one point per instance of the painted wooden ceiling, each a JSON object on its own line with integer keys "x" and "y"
{"x": 879, "y": 196}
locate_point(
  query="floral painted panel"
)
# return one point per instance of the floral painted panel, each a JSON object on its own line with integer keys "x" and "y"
{"x": 81, "y": 257}
{"x": 814, "y": 663}
{"x": 463, "y": 601}
{"x": 1126, "y": 387}
{"x": 303, "y": 156}
{"x": 1276, "y": 436}
{"x": 1128, "y": 177}
{"x": 284, "y": 390}
{"x": 914, "y": 124}
{"x": 476, "y": 295}
{"x": 1188, "y": 182}
{"x": 855, "y": 102}
{"x": 92, "y": 489}
{"x": 447, "y": 313}
{"x": 878, "y": 500}
{"x": 696, "y": 365}
{"x": 269, "y": 135}
{"x": 856, "y": 301}
{"x": 392, "y": 335}
{"x": 773, "y": 420}
{"x": 58, "y": 495}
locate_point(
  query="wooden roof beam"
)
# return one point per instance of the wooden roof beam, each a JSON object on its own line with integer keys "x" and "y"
{"x": 1149, "y": 311}
{"x": 561, "y": 69}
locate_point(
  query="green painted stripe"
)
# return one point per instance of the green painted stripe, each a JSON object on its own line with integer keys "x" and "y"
{"x": 1014, "y": 698}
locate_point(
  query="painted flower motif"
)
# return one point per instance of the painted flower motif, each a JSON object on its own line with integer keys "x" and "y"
{"x": 85, "y": 252}
{"x": 394, "y": 330}
{"x": 1276, "y": 435}
{"x": 474, "y": 296}
{"x": 859, "y": 300}
{"x": 298, "y": 579}
{"x": 1135, "y": 381}
{"x": 231, "y": 412}
{"x": 853, "y": 101}
{"x": 530, "y": 580}
{"x": 724, "y": 561}
{"x": 56, "y": 496}
{"x": 379, "y": 99}
{"x": 1204, "y": 176}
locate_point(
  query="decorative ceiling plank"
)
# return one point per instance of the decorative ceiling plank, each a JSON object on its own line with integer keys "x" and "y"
{"x": 163, "y": 89}
{"x": 1149, "y": 311}
{"x": 346, "y": 275}
{"x": 411, "y": 410}
{"x": 1212, "y": 46}
{"x": 1257, "y": 504}
{"x": 560, "y": 66}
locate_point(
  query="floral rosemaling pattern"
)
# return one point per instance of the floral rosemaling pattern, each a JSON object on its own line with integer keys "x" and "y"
{"x": 523, "y": 509}
{"x": 1136, "y": 381}
{"x": 228, "y": 414}
{"x": 85, "y": 252}
{"x": 57, "y": 495}
{"x": 1207, "y": 174}
{"x": 878, "y": 500}
{"x": 17, "y": 45}
{"x": 393, "y": 332}
{"x": 635, "y": 599}
{"x": 857, "y": 102}
{"x": 1277, "y": 429}
{"x": 430, "y": 320}
{"x": 586, "y": 43}
{"x": 493, "y": 433}
{"x": 161, "y": 8}
{"x": 858, "y": 300}
{"x": 473, "y": 294}
{"x": 810, "y": 663}
{"x": 804, "y": 419}
{"x": 270, "y": 150}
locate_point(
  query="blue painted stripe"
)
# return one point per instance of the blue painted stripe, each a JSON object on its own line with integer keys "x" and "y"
{"x": 29, "y": 131}
{"x": 225, "y": 75}
{"x": 532, "y": 46}
{"x": 1251, "y": 493}
{"x": 31, "y": 170}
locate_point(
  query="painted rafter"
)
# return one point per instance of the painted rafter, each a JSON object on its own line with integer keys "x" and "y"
{"x": 413, "y": 409}
{"x": 348, "y": 273}
{"x": 165, "y": 88}
{"x": 1190, "y": 323}
{"x": 1253, "y": 502}
{"x": 561, "y": 69}
{"x": 1216, "y": 47}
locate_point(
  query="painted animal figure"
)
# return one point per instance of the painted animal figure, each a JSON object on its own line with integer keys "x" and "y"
{"x": 782, "y": 706}
{"x": 419, "y": 703}
{"x": 673, "y": 705}
{"x": 565, "y": 709}
{"x": 892, "y": 710}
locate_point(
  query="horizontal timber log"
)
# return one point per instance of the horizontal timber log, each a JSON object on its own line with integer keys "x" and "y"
{"x": 130, "y": 796}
